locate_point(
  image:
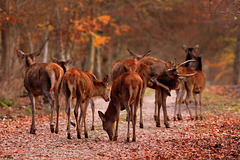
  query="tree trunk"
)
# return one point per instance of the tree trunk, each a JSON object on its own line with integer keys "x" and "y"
{"x": 92, "y": 55}
{"x": 236, "y": 64}
{"x": 45, "y": 55}
{"x": 99, "y": 63}
{"x": 5, "y": 34}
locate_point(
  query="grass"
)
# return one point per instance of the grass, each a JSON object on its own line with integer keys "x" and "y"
{"x": 216, "y": 103}
{"x": 6, "y": 102}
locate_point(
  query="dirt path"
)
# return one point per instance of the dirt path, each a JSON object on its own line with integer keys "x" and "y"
{"x": 183, "y": 140}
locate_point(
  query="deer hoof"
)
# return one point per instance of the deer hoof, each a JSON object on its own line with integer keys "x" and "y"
{"x": 174, "y": 118}
{"x": 192, "y": 118}
{"x": 73, "y": 124}
{"x": 86, "y": 135}
{"x": 134, "y": 140}
{"x": 158, "y": 124}
{"x": 115, "y": 138}
{"x": 141, "y": 125}
{"x": 179, "y": 117}
{"x": 69, "y": 136}
{"x": 52, "y": 128}
{"x": 32, "y": 131}
{"x": 56, "y": 131}
{"x": 167, "y": 125}
{"x": 78, "y": 136}
{"x": 128, "y": 139}
{"x": 201, "y": 117}
{"x": 196, "y": 117}
{"x": 92, "y": 129}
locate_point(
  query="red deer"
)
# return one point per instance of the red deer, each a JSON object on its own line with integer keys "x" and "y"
{"x": 63, "y": 64}
{"x": 124, "y": 65}
{"x": 41, "y": 79}
{"x": 151, "y": 71}
{"x": 192, "y": 85}
{"x": 125, "y": 94}
{"x": 77, "y": 84}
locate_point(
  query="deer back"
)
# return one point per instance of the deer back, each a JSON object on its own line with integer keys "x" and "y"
{"x": 121, "y": 66}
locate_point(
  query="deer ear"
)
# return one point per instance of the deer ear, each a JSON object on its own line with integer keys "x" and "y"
{"x": 20, "y": 54}
{"x": 105, "y": 79}
{"x": 184, "y": 47}
{"x": 36, "y": 53}
{"x": 54, "y": 60}
{"x": 102, "y": 116}
{"x": 69, "y": 61}
{"x": 196, "y": 47}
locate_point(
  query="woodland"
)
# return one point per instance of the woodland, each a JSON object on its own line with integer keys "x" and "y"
{"x": 96, "y": 33}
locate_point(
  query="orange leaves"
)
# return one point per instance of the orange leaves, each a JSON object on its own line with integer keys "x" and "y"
{"x": 104, "y": 19}
{"x": 100, "y": 40}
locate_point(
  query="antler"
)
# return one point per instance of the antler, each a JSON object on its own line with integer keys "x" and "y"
{"x": 191, "y": 60}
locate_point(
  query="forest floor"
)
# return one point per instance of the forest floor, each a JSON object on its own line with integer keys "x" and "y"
{"x": 217, "y": 136}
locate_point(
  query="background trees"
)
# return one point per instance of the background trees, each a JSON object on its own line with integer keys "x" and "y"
{"x": 97, "y": 32}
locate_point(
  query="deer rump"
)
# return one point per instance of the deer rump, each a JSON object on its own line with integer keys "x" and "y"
{"x": 122, "y": 93}
{"x": 38, "y": 73}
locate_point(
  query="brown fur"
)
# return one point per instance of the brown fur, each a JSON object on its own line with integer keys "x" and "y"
{"x": 150, "y": 68}
{"x": 78, "y": 84}
{"x": 125, "y": 65}
{"x": 125, "y": 93}
{"x": 192, "y": 85}
{"x": 41, "y": 79}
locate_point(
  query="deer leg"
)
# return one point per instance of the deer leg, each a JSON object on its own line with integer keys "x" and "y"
{"x": 159, "y": 100}
{"x": 117, "y": 121}
{"x": 68, "y": 112}
{"x": 57, "y": 109}
{"x": 196, "y": 105}
{"x": 76, "y": 109}
{"x": 48, "y": 96}
{"x": 141, "y": 103}
{"x": 134, "y": 118}
{"x": 156, "y": 105}
{"x": 84, "y": 118}
{"x": 200, "y": 103}
{"x": 33, "y": 103}
{"x": 164, "y": 105}
{"x": 187, "y": 102}
{"x": 175, "y": 106}
{"x": 181, "y": 93}
{"x": 128, "y": 112}
{"x": 93, "y": 110}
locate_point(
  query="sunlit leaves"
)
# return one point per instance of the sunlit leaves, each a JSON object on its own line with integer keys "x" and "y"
{"x": 104, "y": 19}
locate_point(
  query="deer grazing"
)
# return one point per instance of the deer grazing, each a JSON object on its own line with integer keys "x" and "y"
{"x": 125, "y": 94}
{"x": 77, "y": 84}
{"x": 41, "y": 79}
{"x": 192, "y": 85}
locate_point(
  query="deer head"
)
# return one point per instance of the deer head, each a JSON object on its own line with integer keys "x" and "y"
{"x": 28, "y": 57}
{"x": 105, "y": 89}
{"x": 108, "y": 125}
{"x": 62, "y": 64}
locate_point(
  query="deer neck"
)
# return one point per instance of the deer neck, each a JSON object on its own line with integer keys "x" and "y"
{"x": 97, "y": 90}
{"x": 111, "y": 112}
{"x": 28, "y": 62}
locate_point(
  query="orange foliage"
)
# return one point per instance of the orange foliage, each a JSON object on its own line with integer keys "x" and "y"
{"x": 104, "y": 19}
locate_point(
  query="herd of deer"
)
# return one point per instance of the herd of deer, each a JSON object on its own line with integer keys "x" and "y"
{"x": 130, "y": 79}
